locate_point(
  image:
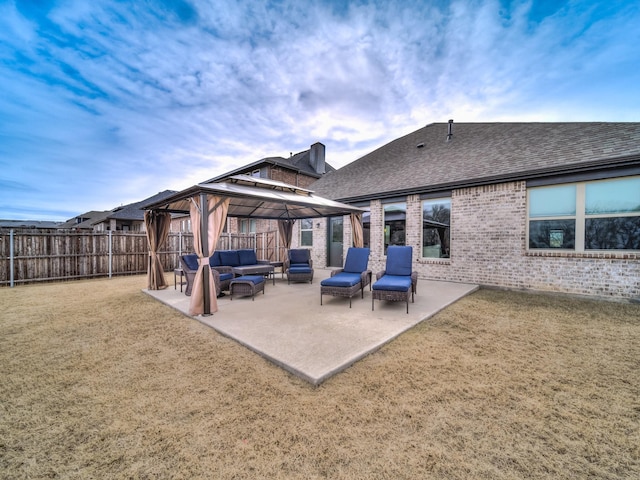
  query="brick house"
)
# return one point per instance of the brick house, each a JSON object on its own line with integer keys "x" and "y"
{"x": 300, "y": 169}
{"x": 540, "y": 206}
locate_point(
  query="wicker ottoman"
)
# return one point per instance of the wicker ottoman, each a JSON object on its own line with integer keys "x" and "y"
{"x": 247, "y": 285}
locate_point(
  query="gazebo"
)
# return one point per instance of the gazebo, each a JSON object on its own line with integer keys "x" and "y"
{"x": 242, "y": 196}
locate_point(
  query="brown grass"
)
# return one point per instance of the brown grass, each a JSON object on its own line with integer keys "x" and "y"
{"x": 99, "y": 380}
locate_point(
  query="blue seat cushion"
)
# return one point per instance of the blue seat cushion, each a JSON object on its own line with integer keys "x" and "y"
{"x": 214, "y": 260}
{"x": 230, "y": 258}
{"x": 357, "y": 260}
{"x": 306, "y": 269}
{"x": 299, "y": 265}
{"x": 299, "y": 256}
{"x": 342, "y": 280}
{"x": 247, "y": 257}
{"x": 191, "y": 260}
{"x": 226, "y": 276}
{"x": 399, "y": 260}
{"x": 393, "y": 283}
{"x": 255, "y": 279}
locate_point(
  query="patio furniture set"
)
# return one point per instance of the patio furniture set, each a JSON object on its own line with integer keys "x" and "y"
{"x": 242, "y": 274}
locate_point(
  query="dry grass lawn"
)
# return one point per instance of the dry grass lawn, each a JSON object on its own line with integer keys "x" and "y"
{"x": 99, "y": 380}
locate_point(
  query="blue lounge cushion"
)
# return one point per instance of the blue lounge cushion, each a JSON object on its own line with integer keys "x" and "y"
{"x": 357, "y": 260}
{"x": 342, "y": 279}
{"x": 255, "y": 279}
{"x": 226, "y": 276}
{"x": 399, "y": 260}
{"x": 393, "y": 283}
{"x": 306, "y": 269}
{"x": 230, "y": 258}
{"x": 214, "y": 260}
{"x": 247, "y": 257}
{"x": 299, "y": 265}
{"x": 191, "y": 260}
{"x": 299, "y": 255}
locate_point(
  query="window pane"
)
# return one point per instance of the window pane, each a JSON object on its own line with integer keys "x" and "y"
{"x": 306, "y": 224}
{"x": 436, "y": 215}
{"x": 617, "y": 233}
{"x": 306, "y": 238}
{"x": 552, "y": 234}
{"x": 395, "y": 215}
{"x": 613, "y": 196}
{"x": 552, "y": 201}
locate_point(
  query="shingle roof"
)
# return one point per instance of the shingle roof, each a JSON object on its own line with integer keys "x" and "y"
{"x": 85, "y": 221}
{"x": 480, "y": 153}
{"x": 298, "y": 162}
{"x": 135, "y": 211}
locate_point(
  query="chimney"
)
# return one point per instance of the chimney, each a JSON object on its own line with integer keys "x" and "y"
{"x": 450, "y": 131}
{"x": 316, "y": 158}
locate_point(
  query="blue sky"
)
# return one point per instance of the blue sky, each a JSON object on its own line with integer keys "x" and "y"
{"x": 107, "y": 102}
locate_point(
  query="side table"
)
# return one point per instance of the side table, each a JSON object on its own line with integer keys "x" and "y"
{"x": 178, "y": 272}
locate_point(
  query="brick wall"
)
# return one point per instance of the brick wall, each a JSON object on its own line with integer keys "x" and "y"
{"x": 488, "y": 247}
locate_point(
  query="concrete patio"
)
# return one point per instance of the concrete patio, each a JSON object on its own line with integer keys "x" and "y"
{"x": 288, "y": 326}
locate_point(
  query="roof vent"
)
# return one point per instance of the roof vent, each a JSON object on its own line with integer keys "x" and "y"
{"x": 420, "y": 145}
{"x": 450, "y": 131}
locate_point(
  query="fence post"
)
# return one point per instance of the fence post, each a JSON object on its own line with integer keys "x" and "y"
{"x": 11, "y": 258}
{"x": 110, "y": 254}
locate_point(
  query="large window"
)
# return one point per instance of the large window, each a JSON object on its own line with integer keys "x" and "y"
{"x": 395, "y": 215}
{"x": 306, "y": 232}
{"x": 248, "y": 225}
{"x": 436, "y": 218}
{"x": 598, "y": 215}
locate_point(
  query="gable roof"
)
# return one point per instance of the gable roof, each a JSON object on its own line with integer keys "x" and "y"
{"x": 299, "y": 162}
{"x": 135, "y": 211}
{"x": 481, "y": 153}
{"x": 85, "y": 220}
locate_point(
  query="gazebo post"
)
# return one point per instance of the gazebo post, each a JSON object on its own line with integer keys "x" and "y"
{"x": 204, "y": 235}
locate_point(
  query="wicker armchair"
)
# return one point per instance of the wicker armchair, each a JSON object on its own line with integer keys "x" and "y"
{"x": 347, "y": 281}
{"x": 397, "y": 282}
{"x": 299, "y": 266}
{"x": 222, "y": 276}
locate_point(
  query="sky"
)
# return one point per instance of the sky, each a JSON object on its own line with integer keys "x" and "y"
{"x": 108, "y": 102}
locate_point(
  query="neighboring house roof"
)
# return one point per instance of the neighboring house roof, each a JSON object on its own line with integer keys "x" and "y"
{"x": 134, "y": 211}
{"x": 28, "y": 224}
{"x": 481, "y": 153}
{"x": 85, "y": 220}
{"x": 299, "y": 162}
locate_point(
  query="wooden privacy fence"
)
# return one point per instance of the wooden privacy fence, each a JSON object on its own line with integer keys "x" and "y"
{"x": 28, "y": 256}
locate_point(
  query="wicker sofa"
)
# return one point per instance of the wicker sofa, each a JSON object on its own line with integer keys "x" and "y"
{"x": 222, "y": 275}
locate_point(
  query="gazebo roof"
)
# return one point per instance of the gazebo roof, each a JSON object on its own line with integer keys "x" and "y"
{"x": 258, "y": 198}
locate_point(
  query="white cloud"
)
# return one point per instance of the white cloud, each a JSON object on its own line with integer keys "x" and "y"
{"x": 121, "y": 100}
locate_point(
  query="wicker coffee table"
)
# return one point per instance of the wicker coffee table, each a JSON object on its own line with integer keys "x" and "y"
{"x": 247, "y": 285}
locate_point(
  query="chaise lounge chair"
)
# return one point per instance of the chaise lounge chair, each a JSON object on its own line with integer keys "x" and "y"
{"x": 397, "y": 282}
{"x": 347, "y": 281}
{"x": 299, "y": 266}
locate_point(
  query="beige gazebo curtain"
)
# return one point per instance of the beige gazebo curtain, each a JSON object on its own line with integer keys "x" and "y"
{"x": 157, "y": 225}
{"x": 204, "y": 243}
{"x": 285, "y": 228}
{"x": 356, "y": 229}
